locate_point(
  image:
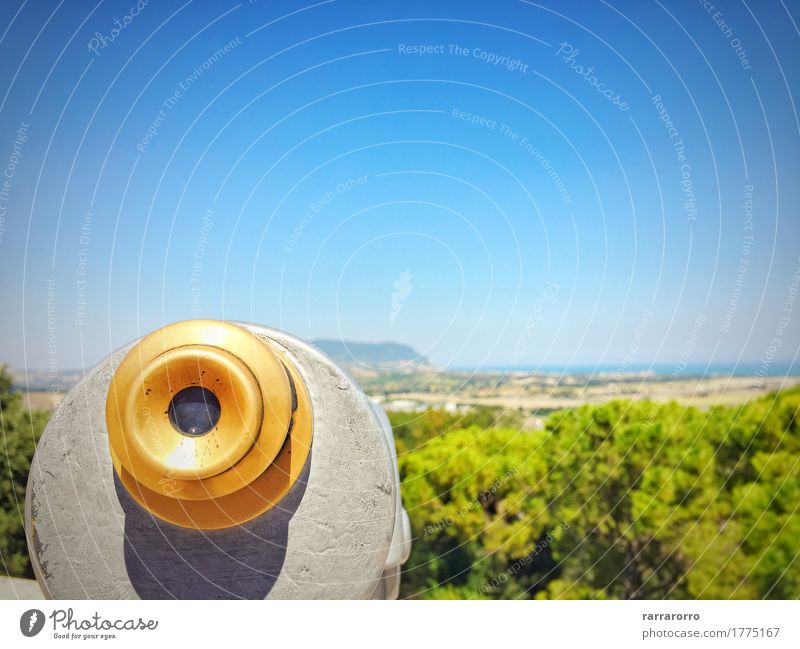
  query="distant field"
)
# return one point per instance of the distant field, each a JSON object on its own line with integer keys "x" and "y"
{"x": 531, "y": 393}
{"x": 41, "y": 399}
{"x": 544, "y": 393}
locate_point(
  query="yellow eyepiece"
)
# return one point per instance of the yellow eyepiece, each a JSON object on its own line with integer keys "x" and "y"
{"x": 209, "y": 425}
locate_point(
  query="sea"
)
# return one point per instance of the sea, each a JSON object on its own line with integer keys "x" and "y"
{"x": 679, "y": 370}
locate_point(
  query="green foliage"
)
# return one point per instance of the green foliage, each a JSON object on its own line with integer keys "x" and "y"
{"x": 621, "y": 500}
{"x": 414, "y": 429}
{"x": 20, "y": 430}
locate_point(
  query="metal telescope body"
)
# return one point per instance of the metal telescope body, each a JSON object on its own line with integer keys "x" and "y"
{"x": 217, "y": 460}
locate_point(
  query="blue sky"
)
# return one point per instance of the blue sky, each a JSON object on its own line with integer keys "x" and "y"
{"x": 507, "y": 193}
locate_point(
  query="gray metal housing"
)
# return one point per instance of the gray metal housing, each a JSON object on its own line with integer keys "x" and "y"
{"x": 341, "y": 532}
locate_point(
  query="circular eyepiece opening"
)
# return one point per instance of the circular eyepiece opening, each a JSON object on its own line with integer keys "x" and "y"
{"x": 194, "y": 411}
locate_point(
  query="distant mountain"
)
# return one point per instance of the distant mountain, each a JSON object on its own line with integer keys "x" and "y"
{"x": 378, "y": 355}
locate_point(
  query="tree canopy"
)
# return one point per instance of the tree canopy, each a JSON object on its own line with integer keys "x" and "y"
{"x": 621, "y": 500}
{"x": 20, "y": 429}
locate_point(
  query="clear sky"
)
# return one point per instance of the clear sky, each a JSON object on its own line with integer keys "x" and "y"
{"x": 490, "y": 182}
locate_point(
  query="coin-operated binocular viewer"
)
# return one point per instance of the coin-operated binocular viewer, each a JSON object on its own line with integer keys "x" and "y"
{"x": 217, "y": 460}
